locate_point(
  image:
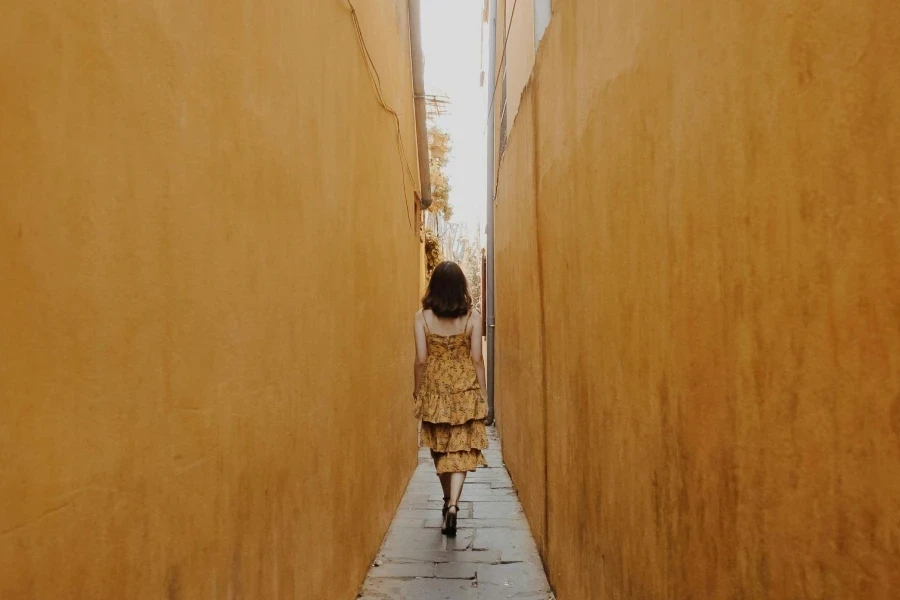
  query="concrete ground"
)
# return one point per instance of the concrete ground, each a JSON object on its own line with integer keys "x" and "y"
{"x": 493, "y": 556}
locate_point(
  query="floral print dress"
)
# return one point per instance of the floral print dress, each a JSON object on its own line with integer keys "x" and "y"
{"x": 451, "y": 406}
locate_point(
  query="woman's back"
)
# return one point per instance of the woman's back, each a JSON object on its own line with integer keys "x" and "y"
{"x": 446, "y": 327}
{"x": 449, "y": 368}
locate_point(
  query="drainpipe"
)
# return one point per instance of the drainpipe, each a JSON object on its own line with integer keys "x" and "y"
{"x": 489, "y": 288}
{"x": 418, "y": 73}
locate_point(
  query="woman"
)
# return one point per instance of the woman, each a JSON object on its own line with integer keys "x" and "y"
{"x": 450, "y": 384}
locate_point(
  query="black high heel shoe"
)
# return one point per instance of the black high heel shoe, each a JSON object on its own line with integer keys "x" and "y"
{"x": 446, "y": 506}
{"x": 450, "y": 521}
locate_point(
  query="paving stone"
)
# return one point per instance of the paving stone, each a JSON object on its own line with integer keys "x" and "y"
{"x": 492, "y": 557}
{"x": 455, "y": 571}
{"x": 516, "y": 577}
{"x": 464, "y": 505}
{"x": 488, "y": 473}
{"x": 486, "y": 487}
{"x": 399, "y": 523}
{"x": 423, "y": 488}
{"x": 404, "y": 570}
{"x": 444, "y": 556}
{"x": 400, "y": 540}
{"x": 419, "y": 589}
{"x": 410, "y": 499}
{"x": 476, "y": 489}
{"x": 502, "y": 510}
{"x": 496, "y": 496}
{"x": 514, "y": 545}
{"x": 438, "y": 523}
{"x": 421, "y": 513}
{"x": 518, "y": 522}
{"x": 491, "y": 591}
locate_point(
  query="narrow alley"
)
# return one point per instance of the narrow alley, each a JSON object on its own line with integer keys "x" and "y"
{"x": 493, "y": 556}
{"x": 674, "y": 226}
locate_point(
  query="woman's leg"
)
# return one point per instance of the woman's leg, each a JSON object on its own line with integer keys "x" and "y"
{"x": 444, "y": 477}
{"x": 456, "y": 486}
{"x": 445, "y": 485}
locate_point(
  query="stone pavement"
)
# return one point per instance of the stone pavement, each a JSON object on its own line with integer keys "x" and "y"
{"x": 493, "y": 556}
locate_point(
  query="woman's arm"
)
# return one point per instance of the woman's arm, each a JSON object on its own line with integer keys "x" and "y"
{"x": 421, "y": 350}
{"x": 476, "y": 351}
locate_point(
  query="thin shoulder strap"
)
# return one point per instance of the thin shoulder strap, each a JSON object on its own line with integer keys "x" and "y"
{"x": 466, "y": 326}
{"x": 425, "y": 320}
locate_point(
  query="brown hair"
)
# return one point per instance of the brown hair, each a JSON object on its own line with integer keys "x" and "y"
{"x": 448, "y": 292}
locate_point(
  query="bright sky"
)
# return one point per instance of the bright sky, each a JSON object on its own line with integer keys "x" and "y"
{"x": 451, "y": 41}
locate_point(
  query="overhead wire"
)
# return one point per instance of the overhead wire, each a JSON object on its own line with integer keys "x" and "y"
{"x": 376, "y": 83}
{"x": 371, "y": 69}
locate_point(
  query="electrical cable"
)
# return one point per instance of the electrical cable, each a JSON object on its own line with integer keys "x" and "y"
{"x": 376, "y": 84}
{"x": 512, "y": 15}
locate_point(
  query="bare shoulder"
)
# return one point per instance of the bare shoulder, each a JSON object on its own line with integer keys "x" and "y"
{"x": 475, "y": 318}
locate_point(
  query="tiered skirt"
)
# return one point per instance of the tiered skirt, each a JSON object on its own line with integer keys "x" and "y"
{"x": 453, "y": 428}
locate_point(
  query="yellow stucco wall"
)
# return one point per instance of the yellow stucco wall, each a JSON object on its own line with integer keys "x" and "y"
{"x": 208, "y": 274}
{"x": 519, "y": 350}
{"x": 717, "y": 228}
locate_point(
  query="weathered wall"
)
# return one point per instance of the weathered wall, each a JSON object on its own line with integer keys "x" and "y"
{"x": 518, "y": 351}
{"x": 718, "y": 234}
{"x": 208, "y": 275}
